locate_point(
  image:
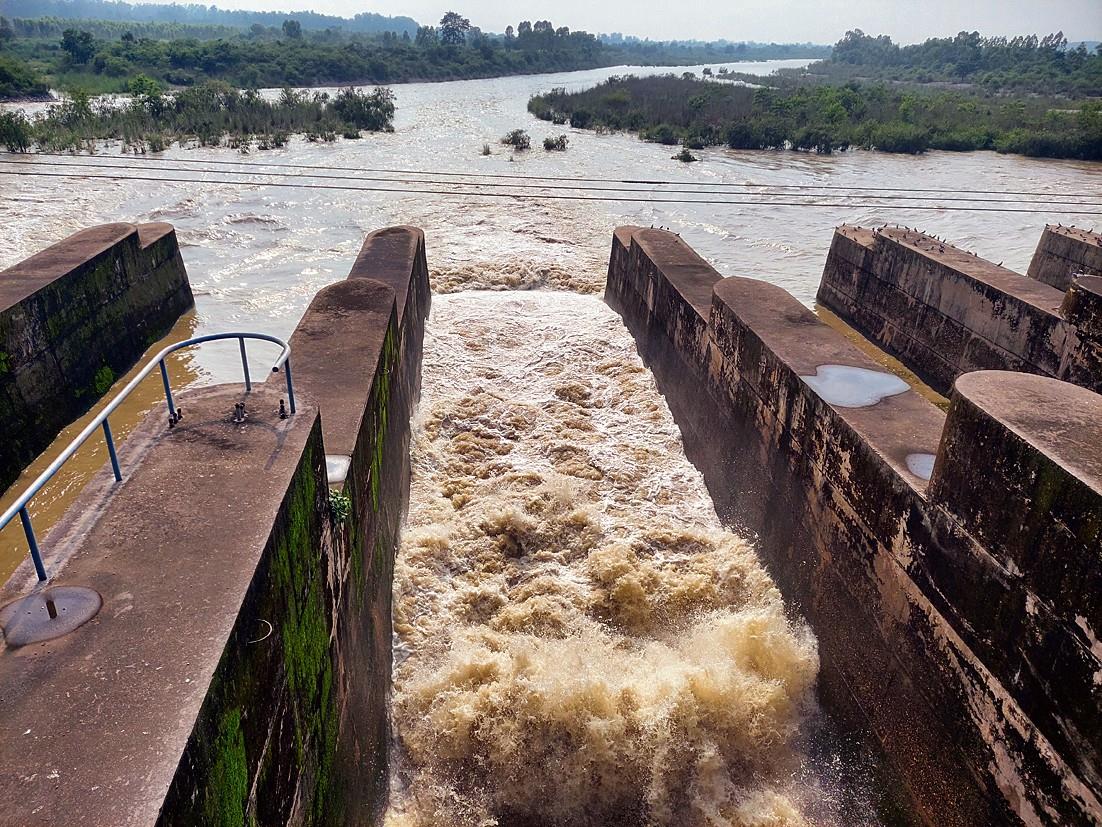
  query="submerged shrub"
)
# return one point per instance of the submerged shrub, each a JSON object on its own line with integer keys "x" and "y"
{"x": 662, "y": 134}
{"x": 518, "y": 139}
{"x": 581, "y": 118}
{"x": 900, "y": 137}
{"x": 15, "y": 132}
{"x": 373, "y": 111}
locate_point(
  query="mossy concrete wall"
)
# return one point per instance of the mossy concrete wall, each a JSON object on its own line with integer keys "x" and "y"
{"x": 944, "y": 312}
{"x": 359, "y": 347}
{"x": 967, "y": 675}
{"x": 72, "y": 319}
{"x": 239, "y": 669}
{"x": 1064, "y": 253}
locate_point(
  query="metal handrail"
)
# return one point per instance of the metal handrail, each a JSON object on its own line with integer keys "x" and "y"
{"x": 100, "y": 421}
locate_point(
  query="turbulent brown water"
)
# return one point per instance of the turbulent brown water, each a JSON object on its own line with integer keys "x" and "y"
{"x": 578, "y": 641}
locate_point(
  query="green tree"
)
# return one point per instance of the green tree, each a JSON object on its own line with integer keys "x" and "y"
{"x": 453, "y": 29}
{"x": 15, "y": 132}
{"x": 426, "y": 37}
{"x": 292, "y": 30}
{"x": 7, "y": 33}
{"x": 80, "y": 46}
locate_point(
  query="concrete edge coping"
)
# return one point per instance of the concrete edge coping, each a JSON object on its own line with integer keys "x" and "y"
{"x": 30, "y": 275}
{"x": 1038, "y": 295}
{"x": 1059, "y": 420}
{"x": 390, "y": 255}
{"x": 902, "y": 428}
{"x": 1075, "y": 234}
{"x": 683, "y": 268}
{"x": 336, "y": 348}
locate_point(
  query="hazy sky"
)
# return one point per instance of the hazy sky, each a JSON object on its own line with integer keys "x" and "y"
{"x": 821, "y": 21}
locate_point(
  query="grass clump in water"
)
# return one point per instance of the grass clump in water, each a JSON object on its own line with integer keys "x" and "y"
{"x": 209, "y": 114}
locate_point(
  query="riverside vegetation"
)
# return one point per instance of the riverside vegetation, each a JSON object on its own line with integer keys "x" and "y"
{"x": 102, "y": 56}
{"x": 803, "y": 112}
{"x": 209, "y": 114}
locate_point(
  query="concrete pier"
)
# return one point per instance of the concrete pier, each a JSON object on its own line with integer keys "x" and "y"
{"x": 1064, "y": 253}
{"x": 359, "y": 347}
{"x": 211, "y": 564}
{"x": 238, "y": 667}
{"x": 944, "y": 312}
{"x": 72, "y": 319}
{"x": 955, "y": 653}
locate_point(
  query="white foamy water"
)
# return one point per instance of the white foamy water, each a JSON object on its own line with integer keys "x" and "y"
{"x": 578, "y": 640}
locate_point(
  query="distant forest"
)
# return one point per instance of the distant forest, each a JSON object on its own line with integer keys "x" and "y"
{"x": 98, "y": 56}
{"x": 195, "y": 13}
{"x": 1026, "y": 63}
{"x": 1030, "y": 96}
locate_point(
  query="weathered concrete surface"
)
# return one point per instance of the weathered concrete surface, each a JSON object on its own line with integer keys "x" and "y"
{"x": 1082, "y": 308}
{"x": 944, "y": 312}
{"x": 239, "y": 668}
{"x": 395, "y": 256}
{"x": 361, "y": 359}
{"x": 1063, "y": 253}
{"x": 928, "y": 653}
{"x": 198, "y": 693}
{"x": 74, "y": 317}
{"x": 1020, "y": 470}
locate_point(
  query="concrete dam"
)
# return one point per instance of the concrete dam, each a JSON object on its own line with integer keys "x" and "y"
{"x": 693, "y": 555}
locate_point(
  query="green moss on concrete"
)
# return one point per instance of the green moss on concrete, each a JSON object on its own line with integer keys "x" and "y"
{"x": 104, "y": 379}
{"x": 301, "y": 577}
{"x": 104, "y": 313}
{"x": 387, "y": 366}
{"x": 227, "y": 788}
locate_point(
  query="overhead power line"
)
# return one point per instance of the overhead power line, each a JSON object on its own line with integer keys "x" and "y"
{"x": 890, "y": 195}
{"x": 1068, "y": 209}
{"x": 579, "y": 179}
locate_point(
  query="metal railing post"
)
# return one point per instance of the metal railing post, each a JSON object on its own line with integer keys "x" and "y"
{"x": 168, "y": 389}
{"x": 245, "y": 365}
{"x": 36, "y": 555}
{"x": 111, "y": 451}
{"x": 290, "y": 386}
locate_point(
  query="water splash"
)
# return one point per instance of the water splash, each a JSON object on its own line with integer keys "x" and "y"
{"x": 578, "y": 641}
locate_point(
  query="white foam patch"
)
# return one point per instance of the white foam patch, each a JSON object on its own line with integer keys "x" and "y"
{"x": 850, "y": 387}
{"x": 336, "y": 467}
{"x": 921, "y": 465}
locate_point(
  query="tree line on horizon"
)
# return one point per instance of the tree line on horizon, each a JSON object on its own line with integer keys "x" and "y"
{"x": 199, "y": 14}
{"x": 104, "y": 57}
{"x": 1044, "y": 64}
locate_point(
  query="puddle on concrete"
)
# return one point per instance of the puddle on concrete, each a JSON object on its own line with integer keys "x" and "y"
{"x": 336, "y": 467}
{"x": 850, "y": 387}
{"x": 885, "y": 360}
{"x": 921, "y": 465}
